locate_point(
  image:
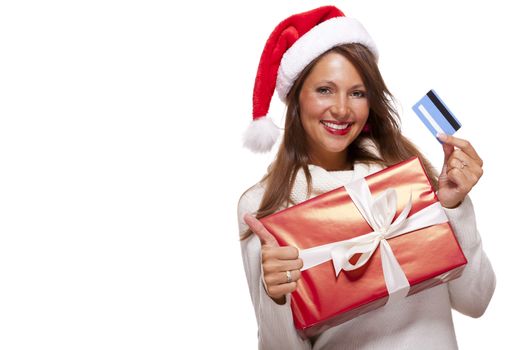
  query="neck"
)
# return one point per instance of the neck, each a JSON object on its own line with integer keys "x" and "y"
{"x": 331, "y": 161}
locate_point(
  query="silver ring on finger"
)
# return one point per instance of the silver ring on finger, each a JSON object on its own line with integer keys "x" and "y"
{"x": 288, "y": 276}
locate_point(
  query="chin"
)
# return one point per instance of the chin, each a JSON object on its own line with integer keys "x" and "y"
{"x": 337, "y": 149}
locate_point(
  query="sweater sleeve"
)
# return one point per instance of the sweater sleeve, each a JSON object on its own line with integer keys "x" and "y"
{"x": 275, "y": 322}
{"x": 470, "y": 294}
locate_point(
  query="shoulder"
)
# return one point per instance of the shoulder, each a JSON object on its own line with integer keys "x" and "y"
{"x": 251, "y": 195}
{"x": 249, "y": 202}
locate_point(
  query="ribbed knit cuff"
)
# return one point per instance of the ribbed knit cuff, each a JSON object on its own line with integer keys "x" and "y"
{"x": 276, "y": 319}
{"x": 463, "y": 222}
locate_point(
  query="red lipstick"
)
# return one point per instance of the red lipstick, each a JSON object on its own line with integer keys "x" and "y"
{"x": 339, "y": 132}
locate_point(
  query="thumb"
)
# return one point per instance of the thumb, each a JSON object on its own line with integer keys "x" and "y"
{"x": 447, "y": 150}
{"x": 447, "y": 147}
{"x": 258, "y": 228}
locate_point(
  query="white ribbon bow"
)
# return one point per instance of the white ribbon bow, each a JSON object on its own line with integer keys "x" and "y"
{"x": 379, "y": 212}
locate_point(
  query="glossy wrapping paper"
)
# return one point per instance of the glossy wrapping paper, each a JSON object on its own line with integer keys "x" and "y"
{"x": 428, "y": 256}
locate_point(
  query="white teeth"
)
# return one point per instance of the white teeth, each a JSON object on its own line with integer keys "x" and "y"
{"x": 335, "y": 126}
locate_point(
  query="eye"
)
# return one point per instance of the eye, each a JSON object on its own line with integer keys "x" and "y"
{"x": 358, "y": 94}
{"x": 323, "y": 90}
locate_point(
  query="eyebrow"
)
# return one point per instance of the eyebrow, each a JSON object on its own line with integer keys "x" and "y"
{"x": 332, "y": 83}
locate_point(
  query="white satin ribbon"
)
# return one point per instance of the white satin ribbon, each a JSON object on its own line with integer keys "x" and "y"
{"x": 379, "y": 213}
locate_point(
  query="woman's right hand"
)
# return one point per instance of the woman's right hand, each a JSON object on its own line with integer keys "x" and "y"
{"x": 276, "y": 261}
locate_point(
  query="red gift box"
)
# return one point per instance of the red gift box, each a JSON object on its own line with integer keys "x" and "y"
{"x": 427, "y": 256}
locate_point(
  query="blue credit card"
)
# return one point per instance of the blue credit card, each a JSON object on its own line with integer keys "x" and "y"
{"x": 435, "y": 115}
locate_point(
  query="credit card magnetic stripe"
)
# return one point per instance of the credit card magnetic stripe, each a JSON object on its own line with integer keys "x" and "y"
{"x": 435, "y": 114}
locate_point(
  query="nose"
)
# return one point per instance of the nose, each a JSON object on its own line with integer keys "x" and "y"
{"x": 340, "y": 107}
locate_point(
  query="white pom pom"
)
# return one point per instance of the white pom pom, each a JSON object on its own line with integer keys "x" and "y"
{"x": 261, "y": 135}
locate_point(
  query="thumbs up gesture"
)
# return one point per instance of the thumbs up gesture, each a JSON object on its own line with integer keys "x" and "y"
{"x": 280, "y": 265}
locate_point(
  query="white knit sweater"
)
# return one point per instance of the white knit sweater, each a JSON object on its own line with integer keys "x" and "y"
{"x": 420, "y": 321}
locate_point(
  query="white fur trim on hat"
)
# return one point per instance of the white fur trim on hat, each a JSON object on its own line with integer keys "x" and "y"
{"x": 261, "y": 135}
{"x": 321, "y": 38}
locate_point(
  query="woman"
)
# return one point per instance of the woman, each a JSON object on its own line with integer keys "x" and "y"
{"x": 340, "y": 125}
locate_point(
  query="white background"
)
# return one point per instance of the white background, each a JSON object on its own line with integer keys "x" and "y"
{"x": 121, "y": 161}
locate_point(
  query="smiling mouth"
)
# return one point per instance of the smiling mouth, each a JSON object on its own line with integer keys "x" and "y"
{"x": 336, "y": 126}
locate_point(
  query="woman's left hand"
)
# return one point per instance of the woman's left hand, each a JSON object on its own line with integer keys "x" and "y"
{"x": 462, "y": 168}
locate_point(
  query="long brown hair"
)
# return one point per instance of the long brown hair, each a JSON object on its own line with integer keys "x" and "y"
{"x": 384, "y": 131}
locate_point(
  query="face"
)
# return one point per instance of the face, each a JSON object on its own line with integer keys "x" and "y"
{"x": 333, "y": 107}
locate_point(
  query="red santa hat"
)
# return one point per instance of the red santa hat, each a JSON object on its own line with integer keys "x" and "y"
{"x": 292, "y": 45}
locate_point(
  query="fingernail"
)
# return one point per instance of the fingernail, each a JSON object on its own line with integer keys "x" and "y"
{"x": 441, "y": 136}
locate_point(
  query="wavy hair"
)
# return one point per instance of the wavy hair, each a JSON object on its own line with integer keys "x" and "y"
{"x": 384, "y": 132}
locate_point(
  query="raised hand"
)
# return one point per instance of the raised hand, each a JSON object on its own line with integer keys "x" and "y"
{"x": 462, "y": 169}
{"x": 280, "y": 265}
